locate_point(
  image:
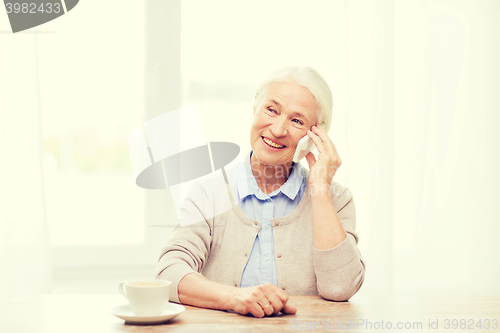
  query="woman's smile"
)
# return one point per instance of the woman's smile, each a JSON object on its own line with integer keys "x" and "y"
{"x": 272, "y": 143}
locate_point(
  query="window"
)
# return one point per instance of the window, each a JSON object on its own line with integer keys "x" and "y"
{"x": 92, "y": 80}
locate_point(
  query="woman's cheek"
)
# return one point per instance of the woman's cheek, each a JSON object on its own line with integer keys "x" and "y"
{"x": 297, "y": 135}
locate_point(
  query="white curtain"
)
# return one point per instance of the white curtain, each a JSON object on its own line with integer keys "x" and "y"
{"x": 423, "y": 104}
{"x": 24, "y": 252}
{"x": 369, "y": 132}
{"x": 162, "y": 93}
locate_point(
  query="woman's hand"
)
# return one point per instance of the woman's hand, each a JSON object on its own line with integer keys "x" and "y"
{"x": 322, "y": 170}
{"x": 262, "y": 300}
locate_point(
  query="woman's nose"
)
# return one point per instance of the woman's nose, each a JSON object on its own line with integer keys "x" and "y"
{"x": 279, "y": 128}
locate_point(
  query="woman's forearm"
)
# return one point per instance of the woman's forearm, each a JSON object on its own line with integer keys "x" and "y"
{"x": 197, "y": 290}
{"x": 327, "y": 229}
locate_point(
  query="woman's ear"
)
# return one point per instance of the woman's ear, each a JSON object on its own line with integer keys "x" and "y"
{"x": 323, "y": 126}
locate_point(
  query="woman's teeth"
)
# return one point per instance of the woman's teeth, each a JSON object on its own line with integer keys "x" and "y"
{"x": 272, "y": 144}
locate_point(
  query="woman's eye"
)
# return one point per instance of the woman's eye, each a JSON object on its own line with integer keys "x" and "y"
{"x": 271, "y": 109}
{"x": 298, "y": 122}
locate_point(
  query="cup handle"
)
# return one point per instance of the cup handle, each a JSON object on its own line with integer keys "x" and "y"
{"x": 121, "y": 289}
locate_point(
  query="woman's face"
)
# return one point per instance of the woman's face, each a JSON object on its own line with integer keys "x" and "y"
{"x": 281, "y": 118}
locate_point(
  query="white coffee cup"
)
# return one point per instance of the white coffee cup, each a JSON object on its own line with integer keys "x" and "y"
{"x": 146, "y": 297}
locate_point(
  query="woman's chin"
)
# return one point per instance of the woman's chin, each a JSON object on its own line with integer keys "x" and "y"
{"x": 272, "y": 159}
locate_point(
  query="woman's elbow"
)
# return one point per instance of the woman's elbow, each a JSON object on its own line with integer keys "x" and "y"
{"x": 341, "y": 292}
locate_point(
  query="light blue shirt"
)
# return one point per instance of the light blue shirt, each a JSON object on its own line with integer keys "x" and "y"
{"x": 261, "y": 266}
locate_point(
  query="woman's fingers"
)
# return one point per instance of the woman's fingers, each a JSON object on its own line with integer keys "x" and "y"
{"x": 268, "y": 309}
{"x": 328, "y": 160}
{"x": 248, "y": 300}
{"x": 317, "y": 141}
{"x": 311, "y": 159}
{"x": 256, "y": 309}
{"x": 289, "y": 309}
{"x": 274, "y": 297}
{"x": 331, "y": 151}
{"x": 260, "y": 298}
{"x": 327, "y": 142}
{"x": 276, "y": 303}
{"x": 263, "y": 300}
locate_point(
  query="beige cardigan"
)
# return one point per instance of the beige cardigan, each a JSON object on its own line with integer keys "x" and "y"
{"x": 219, "y": 247}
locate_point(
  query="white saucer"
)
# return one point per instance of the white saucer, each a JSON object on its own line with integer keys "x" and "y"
{"x": 125, "y": 312}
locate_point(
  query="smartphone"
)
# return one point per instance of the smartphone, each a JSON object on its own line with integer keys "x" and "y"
{"x": 304, "y": 146}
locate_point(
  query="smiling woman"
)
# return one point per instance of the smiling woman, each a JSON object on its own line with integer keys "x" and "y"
{"x": 289, "y": 231}
{"x": 282, "y": 118}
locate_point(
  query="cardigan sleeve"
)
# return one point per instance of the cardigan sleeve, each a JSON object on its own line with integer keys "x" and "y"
{"x": 188, "y": 248}
{"x": 340, "y": 271}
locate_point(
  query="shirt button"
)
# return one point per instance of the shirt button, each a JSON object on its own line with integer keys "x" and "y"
{"x": 236, "y": 285}
{"x": 246, "y": 255}
{"x": 266, "y": 258}
{"x": 256, "y": 223}
{"x": 267, "y": 227}
{"x": 277, "y": 224}
{"x": 279, "y": 255}
{"x": 283, "y": 288}
{"x": 268, "y": 200}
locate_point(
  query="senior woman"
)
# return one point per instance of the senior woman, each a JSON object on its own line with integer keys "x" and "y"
{"x": 286, "y": 231}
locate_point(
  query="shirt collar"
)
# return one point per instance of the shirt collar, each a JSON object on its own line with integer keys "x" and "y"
{"x": 247, "y": 185}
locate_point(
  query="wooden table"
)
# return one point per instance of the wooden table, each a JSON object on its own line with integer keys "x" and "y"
{"x": 91, "y": 313}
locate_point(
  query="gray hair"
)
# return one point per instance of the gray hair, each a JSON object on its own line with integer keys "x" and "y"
{"x": 306, "y": 77}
